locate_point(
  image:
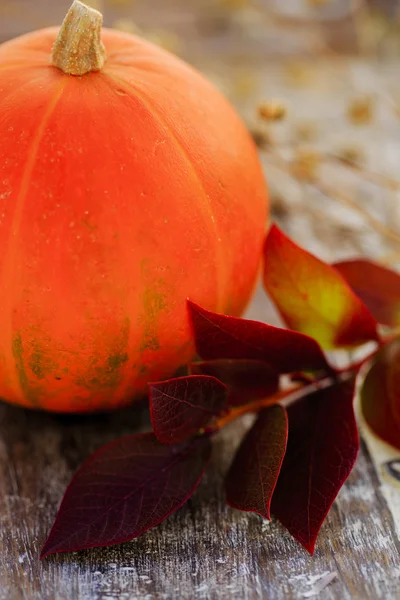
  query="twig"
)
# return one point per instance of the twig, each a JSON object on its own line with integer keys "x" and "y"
{"x": 286, "y": 397}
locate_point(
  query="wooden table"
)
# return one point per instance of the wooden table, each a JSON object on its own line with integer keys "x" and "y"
{"x": 207, "y": 550}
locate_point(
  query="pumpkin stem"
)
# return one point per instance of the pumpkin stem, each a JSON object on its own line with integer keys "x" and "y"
{"x": 78, "y": 48}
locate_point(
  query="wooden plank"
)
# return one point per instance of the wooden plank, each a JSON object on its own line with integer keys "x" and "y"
{"x": 206, "y": 550}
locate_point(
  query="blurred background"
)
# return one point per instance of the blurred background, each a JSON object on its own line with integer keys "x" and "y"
{"x": 317, "y": 83}
{"x": 236, "y": 29}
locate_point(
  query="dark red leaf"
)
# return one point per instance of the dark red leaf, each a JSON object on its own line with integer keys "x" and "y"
{"x": 312, "y": 296}
{"x": 124, "y": 489}
{"x": 380, "y": 395}
{"x": 252, "y": 477}
{"x": 393, "y": 351}
{"x": 219, "y": 336}
{"x": 377, "y": 286}
{"x": 247, "y": 380}
{"x": 322, "y": 448}
{"x": 180, "y": 407}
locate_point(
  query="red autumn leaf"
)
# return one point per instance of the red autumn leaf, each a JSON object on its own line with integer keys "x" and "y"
{"x": 380, "y": 395}
{"x": 393, "y": 351}
{"x": 247, "y": 380}
{"x": 218, "y": 336}
{"x": 124, "y": 489}
{"x": 322, "y": 448}
{"x": 253, "y": 474}
{"x": 312, "y": 297}
{"x": 180, "y": 407}
{"x": 377, "y": 286}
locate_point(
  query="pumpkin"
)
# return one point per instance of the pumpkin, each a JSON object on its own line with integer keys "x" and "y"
{"x": 127, "y": 185}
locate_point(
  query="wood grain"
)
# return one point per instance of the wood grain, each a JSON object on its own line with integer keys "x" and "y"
{"x": 207, "y": 550}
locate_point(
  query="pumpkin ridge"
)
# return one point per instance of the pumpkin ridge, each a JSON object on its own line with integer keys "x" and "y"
{"x": 19, "y": 65}
{"x": 220, "y": 262}
{"x": 9, "y": 274}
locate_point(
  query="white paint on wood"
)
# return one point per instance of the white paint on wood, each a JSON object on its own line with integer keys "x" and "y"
{"x": 319, "y": 583}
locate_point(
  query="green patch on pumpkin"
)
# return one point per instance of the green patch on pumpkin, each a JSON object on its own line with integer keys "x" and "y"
{"x": 104, "y": 371}
{"x": 31, "y": 391}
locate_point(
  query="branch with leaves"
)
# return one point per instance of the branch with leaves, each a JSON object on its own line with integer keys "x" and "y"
{"x": 304, "y": 442}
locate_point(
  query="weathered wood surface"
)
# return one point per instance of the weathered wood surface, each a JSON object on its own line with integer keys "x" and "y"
{"x": 206, "y": 550}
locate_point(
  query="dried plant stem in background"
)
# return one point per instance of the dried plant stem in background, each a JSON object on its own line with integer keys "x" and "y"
{"x": 377, "y": 178}
{"x": 309, "y": 175}
{"x": 337, "y": 194}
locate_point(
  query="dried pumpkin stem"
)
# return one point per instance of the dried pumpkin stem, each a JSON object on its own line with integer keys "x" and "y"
{"x": 78, "y": 48}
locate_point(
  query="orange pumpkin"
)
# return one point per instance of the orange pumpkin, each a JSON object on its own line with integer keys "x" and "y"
{"x": 127, "y": 184}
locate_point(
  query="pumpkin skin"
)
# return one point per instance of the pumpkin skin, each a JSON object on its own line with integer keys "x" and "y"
{"x": 122, "y": 193}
